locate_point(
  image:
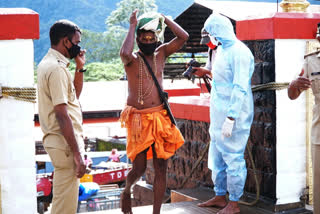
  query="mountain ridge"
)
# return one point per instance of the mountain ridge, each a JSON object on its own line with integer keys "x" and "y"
{"x": 88, "y": 14}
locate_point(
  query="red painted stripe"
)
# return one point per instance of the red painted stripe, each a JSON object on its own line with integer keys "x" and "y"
{"x": 183, "y": 92}
{"x": 203, "y": 87}
{"x": 101, "y": 120}
{"x": 279, "y": 26}
{"x": 191, "y": 108}
{"x": 18, "y": 23}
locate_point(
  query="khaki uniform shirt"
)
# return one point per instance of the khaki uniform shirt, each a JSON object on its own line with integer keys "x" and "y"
{"x": 312, "y": 71}
{"x": 55, "y": 86}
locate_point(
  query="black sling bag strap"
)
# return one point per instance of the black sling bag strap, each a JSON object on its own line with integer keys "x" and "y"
{"x": 163, "y": 94}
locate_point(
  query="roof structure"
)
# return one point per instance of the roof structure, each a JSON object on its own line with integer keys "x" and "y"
{"x": 194, "y": 17}
{"x": 191, "y": 20}
{"x": 241, "y": 10}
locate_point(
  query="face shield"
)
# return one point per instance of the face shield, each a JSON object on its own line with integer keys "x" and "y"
{"x": 206, "y": 40}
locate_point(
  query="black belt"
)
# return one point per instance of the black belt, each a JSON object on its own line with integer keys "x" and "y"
{"x": 315, "y": 73}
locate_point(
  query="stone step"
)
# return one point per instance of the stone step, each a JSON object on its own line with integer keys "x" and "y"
{"x": 204, "y": 194}
{"x": 173, "y": 208}
{"x": 190, "y": 207}
{"x": 184, "y": 201}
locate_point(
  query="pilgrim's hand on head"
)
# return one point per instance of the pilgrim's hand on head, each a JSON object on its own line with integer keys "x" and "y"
{"x": 133, "y": 17}
{"x": 227, "y": 127}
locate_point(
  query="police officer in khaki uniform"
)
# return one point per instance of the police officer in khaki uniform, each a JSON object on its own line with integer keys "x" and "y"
{"x": 60, "y": 113}
{"x": 310, "y": 77}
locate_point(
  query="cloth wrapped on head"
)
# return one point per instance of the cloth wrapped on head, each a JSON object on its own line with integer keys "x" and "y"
{"x": 154, "y": 22}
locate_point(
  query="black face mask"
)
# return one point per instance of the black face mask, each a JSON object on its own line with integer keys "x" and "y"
{"x": 147, "y": 49}
{"x": 74, "y": 50}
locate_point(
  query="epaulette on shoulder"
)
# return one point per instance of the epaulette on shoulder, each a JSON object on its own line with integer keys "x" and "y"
{"x": 312, "y": 53}
{"x": 60, "y": 62}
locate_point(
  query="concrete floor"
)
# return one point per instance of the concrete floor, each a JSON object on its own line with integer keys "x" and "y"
{"x": 190, "y": 207}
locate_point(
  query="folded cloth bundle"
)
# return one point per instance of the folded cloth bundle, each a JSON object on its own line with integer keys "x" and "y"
{"x": 154, "y": 22}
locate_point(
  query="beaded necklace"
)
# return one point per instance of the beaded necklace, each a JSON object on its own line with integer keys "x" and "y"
{"x": 142, "y": 67}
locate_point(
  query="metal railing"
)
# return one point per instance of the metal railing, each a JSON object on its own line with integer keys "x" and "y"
{"x": 103, "y": 200}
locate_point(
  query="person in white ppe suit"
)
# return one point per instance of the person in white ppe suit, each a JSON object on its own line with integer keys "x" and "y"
{"x": 231, "y": 114}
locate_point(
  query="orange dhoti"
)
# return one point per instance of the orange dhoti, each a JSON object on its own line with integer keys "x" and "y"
{"x": 148, "y": 126}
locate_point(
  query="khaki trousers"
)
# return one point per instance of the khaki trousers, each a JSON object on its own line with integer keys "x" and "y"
{"x": 65, "y": 182}
{"x": 316, "y": 177}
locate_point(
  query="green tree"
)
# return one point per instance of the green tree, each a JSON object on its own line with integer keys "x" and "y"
{"x": 121, "y": 15}
{"x": 98, "y": 71}
{"x": 118, "y": 22}
{"x": 96, "y": 45}
{"x": 101, "y": 71}
{"x": 103, "y": 47}
{"x": 103, "y": 60}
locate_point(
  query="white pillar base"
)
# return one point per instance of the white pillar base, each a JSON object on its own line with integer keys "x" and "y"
{"x": 17, "y": 147}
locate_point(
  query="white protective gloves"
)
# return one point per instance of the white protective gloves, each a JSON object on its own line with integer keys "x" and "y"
{"x": 227, "y": 128}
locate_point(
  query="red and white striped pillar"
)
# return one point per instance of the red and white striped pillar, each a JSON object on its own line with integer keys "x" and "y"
{"x": 290, "y": 33}
{"x": 18, "y": 28}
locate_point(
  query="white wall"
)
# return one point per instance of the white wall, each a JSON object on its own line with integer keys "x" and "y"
{"x": 291, "y": 123}
{"x": 17, "y": 148}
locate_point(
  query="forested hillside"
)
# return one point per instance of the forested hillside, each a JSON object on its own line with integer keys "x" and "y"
{"x": 88, "y": 14}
